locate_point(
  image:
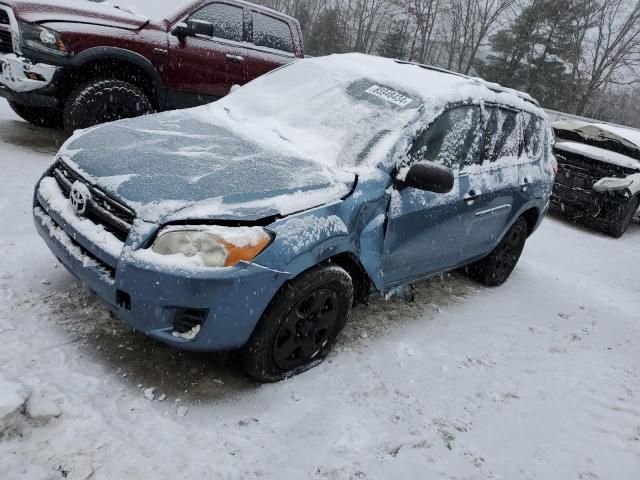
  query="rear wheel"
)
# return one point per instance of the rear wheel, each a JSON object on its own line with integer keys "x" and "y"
{"x": 619, "y": 223}
{"x": 100, "y": 101}
{"x": 300, "y": 326}
{"x": 38, "y": 116}
{"x": 494, "y": 269}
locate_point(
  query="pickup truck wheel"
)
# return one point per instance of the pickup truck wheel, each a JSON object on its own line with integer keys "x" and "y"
{"x": 619, "y": 224}
{"x": 38, "y": 116}
{"x": 494, "y": 269}
{"x": 100, "y": 101}
{"x": 300, "y": 325}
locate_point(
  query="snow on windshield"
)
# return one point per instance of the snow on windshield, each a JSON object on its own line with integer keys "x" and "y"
{"x": 347, "y": 111}
{"x": 314, "y": 112}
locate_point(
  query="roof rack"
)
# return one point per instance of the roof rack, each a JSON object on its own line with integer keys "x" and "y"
{"x": 494, "y": 87}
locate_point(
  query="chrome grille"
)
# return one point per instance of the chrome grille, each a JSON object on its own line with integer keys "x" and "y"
{"x": 102, "y": 210}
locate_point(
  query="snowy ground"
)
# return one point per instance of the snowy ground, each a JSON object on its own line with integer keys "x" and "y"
{"x": 539, "y": 379}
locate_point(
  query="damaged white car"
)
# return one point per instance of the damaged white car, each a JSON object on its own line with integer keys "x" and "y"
{"x": 598, "y": 178}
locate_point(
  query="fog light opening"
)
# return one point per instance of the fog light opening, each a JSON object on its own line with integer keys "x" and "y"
{"x": 188, "y": 322}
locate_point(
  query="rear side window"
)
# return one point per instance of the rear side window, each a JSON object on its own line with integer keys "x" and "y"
{"x": 227, "y": 20}
{"x": 533, "y": 135}
{"x": 502, "y": 137}
{"x": 452, "y": 140}
{"x": 271, "y": 32}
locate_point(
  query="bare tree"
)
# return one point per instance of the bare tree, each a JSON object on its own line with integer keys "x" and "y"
{"x": 613, "y": 55}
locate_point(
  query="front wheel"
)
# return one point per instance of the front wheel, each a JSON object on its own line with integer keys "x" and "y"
{"x": 101, "y": 101}
{"x": 38, "y": 116}
{"x": 300, "y": 325}
{"x": 619, "y": 223}
{"x": 494, "y": 269}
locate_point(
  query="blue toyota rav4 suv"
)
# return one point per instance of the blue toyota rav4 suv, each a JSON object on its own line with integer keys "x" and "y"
{"x": 254, "y": 223}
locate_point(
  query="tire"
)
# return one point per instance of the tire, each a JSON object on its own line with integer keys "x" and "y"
{"x": 300, "y": 325}
{"x": 494, "y": 269}
{"x": 100, "y": 101}
{"x": 619, "y": 223}
{"x": 38, "y": 116}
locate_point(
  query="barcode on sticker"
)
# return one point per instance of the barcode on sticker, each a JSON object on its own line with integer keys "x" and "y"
{"x": 389, "y": 95}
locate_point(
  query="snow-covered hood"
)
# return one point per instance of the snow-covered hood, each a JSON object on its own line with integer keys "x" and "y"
{"x": 173, "y": 166}
{"x": 599, "y": 154}
{"x": 628, "y": 137}
{"x": 77, "y": 11}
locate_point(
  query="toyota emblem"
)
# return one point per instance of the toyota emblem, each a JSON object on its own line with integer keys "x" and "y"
{"x": 79, "y": 197}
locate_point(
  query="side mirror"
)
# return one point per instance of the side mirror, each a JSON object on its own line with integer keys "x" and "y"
{"x": 429, "y": 176}
{"x": 181, "y": 30}
{"x": 193, "y": 27}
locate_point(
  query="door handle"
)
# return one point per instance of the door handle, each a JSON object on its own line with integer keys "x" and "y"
{"x": 471, "y": 196}
{"x": 234, "y": 58}
{"x": 526, "y": 183}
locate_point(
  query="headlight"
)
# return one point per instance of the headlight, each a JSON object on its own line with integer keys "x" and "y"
{"x": 611, "y": 184}
{"x": 212, "y": 246}
{"x": 42, "y": 39}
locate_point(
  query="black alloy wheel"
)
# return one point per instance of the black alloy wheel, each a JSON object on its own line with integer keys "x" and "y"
{"x": 306, "y": 330}
{"x": 495, "y": 268}
{"x": 299, "y": 327}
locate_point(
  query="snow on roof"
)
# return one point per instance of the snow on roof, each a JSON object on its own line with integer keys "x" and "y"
{"x": 599, "y": 154}
{"x": 429, "y": 83}
{"x": 347, "y": 110}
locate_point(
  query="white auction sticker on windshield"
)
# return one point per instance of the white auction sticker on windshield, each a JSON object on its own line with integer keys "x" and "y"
{"x": 389, "y": 95}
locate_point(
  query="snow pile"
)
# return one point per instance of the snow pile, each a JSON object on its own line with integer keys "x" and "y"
{"x": 13, "y": 396}
{"x": 190, "y": 335}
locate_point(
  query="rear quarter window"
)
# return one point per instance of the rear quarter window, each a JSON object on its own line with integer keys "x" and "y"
{"x": 534, "y": 135}
{"x": 502, "y": 135}
{"x": 271, "y": 32}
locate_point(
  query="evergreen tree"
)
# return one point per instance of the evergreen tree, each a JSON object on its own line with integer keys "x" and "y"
{"x": 394, "y": 43}
{"x": 326, "y": 36}
{"x": 534, "y": 53}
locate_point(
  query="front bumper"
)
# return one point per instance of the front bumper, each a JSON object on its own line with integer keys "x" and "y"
{"x": 588, "y": 204}
{"x": 149, "y": 298}
{"x": 22, "y": 81}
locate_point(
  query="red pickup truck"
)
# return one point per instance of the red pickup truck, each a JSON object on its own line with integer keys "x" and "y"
{"x": 75, "y": 63}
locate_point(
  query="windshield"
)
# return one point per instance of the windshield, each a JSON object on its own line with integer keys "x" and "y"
{"x": 338, "y": 119}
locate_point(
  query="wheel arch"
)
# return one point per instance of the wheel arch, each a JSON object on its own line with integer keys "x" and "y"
{"x": 118, "y": 64}
{"x": 347, "y": 260}
{"x": 532, "y": 216}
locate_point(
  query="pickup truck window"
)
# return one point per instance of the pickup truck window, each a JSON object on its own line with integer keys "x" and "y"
{"x": 452, "y": 140}
{"x": 227, "y": 20}
{"x": 271, "y": 33}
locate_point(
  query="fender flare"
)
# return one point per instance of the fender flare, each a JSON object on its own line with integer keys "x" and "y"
{"x": 102, "y": 53}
